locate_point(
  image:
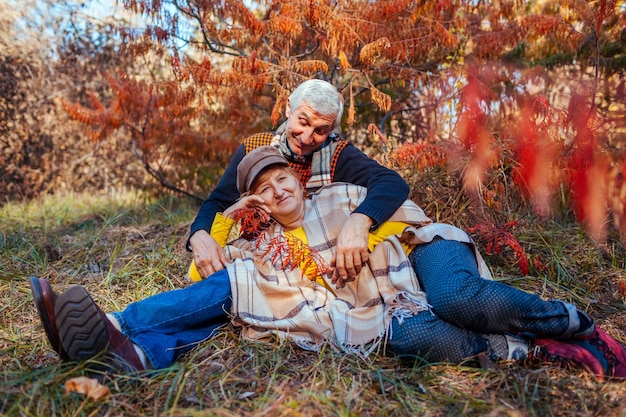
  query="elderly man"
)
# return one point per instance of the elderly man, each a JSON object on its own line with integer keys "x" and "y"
{"x": 309, "y": 142}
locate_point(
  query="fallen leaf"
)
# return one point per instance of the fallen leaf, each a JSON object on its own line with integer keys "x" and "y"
{"x": 88, "y": 386}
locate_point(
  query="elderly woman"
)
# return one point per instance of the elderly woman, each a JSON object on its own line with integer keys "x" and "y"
{"x": 282, "y": 283}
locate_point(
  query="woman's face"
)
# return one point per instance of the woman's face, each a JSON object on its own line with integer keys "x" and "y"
{"x": 282, "y": 193}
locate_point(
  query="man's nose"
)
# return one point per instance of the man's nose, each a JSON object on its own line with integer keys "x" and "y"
{"x": 307, "y": 137}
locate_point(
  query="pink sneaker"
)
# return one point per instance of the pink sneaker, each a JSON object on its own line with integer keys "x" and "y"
{"x": 612, "y": 351}
{"x": 568, "y": 354}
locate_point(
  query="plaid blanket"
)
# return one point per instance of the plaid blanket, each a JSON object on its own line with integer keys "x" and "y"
{"x": 271, "y": 299}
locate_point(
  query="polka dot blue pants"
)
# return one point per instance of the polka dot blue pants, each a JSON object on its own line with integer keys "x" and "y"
{"x": 470, "y": 314}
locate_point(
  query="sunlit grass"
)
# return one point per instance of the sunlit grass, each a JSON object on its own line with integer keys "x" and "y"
{"x": 126, "y": 247}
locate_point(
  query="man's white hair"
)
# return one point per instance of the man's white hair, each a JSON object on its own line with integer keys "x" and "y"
{"x": 321, "y": 95}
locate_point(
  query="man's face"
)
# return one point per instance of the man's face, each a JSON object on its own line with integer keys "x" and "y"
{"x": 307, "y": 130}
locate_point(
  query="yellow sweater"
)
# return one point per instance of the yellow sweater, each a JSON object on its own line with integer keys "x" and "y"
{"x": 221, "y": 227}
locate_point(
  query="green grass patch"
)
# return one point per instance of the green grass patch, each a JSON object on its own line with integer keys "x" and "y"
{"x": 126, "y": 247}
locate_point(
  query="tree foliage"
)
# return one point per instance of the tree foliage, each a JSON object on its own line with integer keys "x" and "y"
{"x": 50, "y": 51}
{"x": 516, "y": 96}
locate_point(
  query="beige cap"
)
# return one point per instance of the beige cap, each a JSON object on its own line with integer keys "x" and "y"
{"x": 254, "y": 162}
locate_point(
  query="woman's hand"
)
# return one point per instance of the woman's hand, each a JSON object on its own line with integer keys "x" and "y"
{"x": 249, "y": 201}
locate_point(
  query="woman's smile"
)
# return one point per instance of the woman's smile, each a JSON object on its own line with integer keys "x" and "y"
{"x": 284, "y": 199}
{"x": 282, "y": 194}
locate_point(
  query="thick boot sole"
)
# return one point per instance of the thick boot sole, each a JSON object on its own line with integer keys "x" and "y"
{"x": 46, "y": 315}
{"x": 82, "y": 331}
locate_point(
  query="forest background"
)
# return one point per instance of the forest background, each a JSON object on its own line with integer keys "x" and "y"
{"x": 506, "y": 118}
{"x": 509, "y": 96}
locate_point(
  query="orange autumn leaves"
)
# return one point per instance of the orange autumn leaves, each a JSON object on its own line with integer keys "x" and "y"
{"x": 286, "y": 252}
{"x": 90, "y": 387}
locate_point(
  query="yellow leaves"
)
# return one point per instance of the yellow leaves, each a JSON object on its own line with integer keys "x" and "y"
{"x": 88, "y": 386}
{"x": 287, "y": 26}
{"x": 343, "y": 61}
{"x": 282, "y": 97}
{"x": 373, "y": 51}
{"x": 310, "y": 67}
{"x": 382, "y": 100}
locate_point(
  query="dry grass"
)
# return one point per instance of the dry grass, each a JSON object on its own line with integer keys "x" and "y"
{"x": 125, "y": 247}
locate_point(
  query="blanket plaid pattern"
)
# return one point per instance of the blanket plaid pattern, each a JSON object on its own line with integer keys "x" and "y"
{"x": 268, "y": 300}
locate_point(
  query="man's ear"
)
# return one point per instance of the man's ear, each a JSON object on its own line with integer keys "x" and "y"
{"x": 287, "y": 109}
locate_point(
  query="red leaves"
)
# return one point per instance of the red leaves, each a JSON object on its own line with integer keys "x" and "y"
{"x": 420, "y": 155}
{"x": 473, "y": 130}
{"x": 287, "y": 252}
{"x": 535, "y": 154}
{"x": 542, "y": 25}
{"x": 201, "y": 72}
{"x": 588, "y": 166}
{"x": 617, "y": 197}
{"x": 251, "y": 222}
{"x": 160, "y": 122}
{"x": 497, "y": 238}
{"x": 80, "y": 113}
{"x": 545, "y": 148}
{"x": 284, "y": 252}
{"x": 373, "y": 51}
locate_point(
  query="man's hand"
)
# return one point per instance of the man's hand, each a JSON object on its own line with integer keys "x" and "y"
{"x": 352, "y": 251}
{"x": 208, "y": 255}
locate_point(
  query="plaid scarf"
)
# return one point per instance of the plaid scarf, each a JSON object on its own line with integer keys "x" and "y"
{"x": 269, "y": 299}
{"x": 315, "y": 170}
{"x": 320, "y": 160}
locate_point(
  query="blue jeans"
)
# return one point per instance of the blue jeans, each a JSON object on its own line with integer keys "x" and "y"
{"x": 170, "y": 324}
{"x": 471, "y": 314}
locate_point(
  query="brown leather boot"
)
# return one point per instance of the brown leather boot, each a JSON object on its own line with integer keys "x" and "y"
{"x": 85, "y": 332}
